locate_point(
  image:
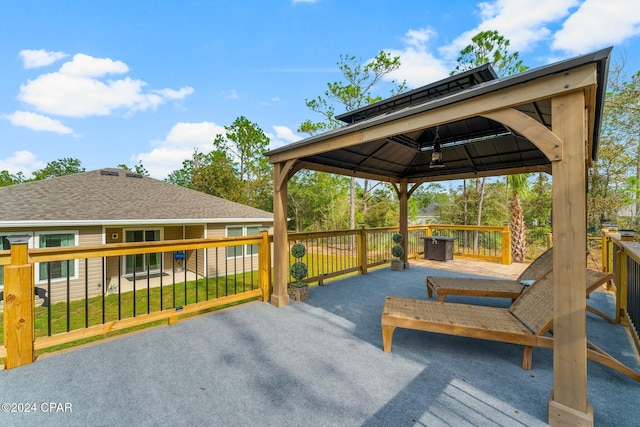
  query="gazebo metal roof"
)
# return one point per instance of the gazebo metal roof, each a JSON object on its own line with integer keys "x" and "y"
{"x": 471, "y": 146}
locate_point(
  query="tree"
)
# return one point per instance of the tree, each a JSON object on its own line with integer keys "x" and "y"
{"x": 236, "y": 169}
{"x": 245, "y": 145}
{"x": 139, "y": 168}
{"x": 60, "y": 167}
{"x": 538, "y": 201}
{"x": 212, "y": 173}
{"x": 318, "y": 200}
{"x": 613, "y": 179}
{"x": 356, "y": 91}
{"x": 517, "y": 184}
{"x": 7, "y": 178}
{"x": 489, "y": 47}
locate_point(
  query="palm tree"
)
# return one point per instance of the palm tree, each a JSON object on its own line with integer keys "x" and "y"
{"x": 517, "y": 184}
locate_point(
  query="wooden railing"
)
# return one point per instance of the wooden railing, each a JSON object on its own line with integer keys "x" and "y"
{"x": 621, "y": 256}
{"x": 335, "y": 253}
{"x": 85, "y": 292}
{"x": 485, "y": 242}
{"x": 97, "y": 297}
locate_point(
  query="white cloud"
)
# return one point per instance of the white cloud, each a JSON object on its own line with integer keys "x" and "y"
{"x": 283, "y": 136}
{"x": 419, "y": 66}
{"x": 37, "y": 122}
{"x": 21, "y": 161}
{"x": 40, "y": 58}
{"x": 303, "y": 1}
{"x": 179, "y": 145}
{"x": 175, "y": 94}
{"x": 522, "y": 22}
{"x": 598, "y": 24}
{"x": 76, "y": 90}
{"x": 87, "y": 66}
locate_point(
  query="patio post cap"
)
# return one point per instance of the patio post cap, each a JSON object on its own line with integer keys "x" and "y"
{"x": 18, "y": 239}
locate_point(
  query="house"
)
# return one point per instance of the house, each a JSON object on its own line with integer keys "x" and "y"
{"x": 427, "y": 215}
{"x": 116, "y": 206}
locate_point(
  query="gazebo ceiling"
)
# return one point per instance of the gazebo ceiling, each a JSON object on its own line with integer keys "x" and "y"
{"x": 476, "y": 145}
{"x": 471, "y": 145}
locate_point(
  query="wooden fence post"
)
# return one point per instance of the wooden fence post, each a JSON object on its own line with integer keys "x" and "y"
{"x": 264, "y": 265}
{"x": 18, "y": 305}
{"x": 621, "y": 287}
{"x": 362, "y": 250}
{"x": 428, "y": 232}
{"x": 506, "y": 245}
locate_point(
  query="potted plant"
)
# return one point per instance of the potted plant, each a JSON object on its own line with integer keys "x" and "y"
{"x": 299, "y": 290}
{"x": 397, "y": 251}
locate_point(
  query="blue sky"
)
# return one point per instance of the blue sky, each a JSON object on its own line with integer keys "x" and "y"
{"x": 122, "y": 81}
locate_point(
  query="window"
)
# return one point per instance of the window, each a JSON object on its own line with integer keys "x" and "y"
{"x": 252, "y": 230}
{"x": 4, "y": 245}
{"x": 56, "y": 270}
{"x": 239, "y": 230}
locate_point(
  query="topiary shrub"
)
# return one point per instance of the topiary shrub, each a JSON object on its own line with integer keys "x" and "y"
{"x": 397, "y": 251}
{"x": 298, "y": 250}
{"x": 299, "y": 269}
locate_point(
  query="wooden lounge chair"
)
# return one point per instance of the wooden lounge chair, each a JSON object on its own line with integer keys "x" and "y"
{"x": 442, "y": 286}
{"x": 526, "y": 322}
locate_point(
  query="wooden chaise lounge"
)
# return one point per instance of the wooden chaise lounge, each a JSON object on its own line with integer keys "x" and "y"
{"x": 526, "y": 322}
{"x": 442, "y": 286}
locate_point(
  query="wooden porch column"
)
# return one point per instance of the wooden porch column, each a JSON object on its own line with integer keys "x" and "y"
{"x": 568, "y": 405}
{"x": 280, "y": 297}
{"x": 18, "y": 305}
{"x": 403, "y": 199}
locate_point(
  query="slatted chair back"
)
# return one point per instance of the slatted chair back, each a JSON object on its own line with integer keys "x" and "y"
{"x": 539, "y": 267}
{"x": 534, "y": 308}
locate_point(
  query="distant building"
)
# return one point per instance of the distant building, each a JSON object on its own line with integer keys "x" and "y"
{"x": 427, "y": 215}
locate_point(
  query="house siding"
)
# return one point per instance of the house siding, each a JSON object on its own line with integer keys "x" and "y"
{"x": 218, "y": 263}
{"x": 195, "y": 258}
{"x": 171, "y": 233}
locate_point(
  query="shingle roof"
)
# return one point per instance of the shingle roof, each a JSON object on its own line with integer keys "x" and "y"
{"x": 115, "y": 196}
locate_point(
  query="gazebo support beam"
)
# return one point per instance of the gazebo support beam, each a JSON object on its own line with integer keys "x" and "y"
{"x": 403, "y": 199}
{"x": 280, "y": 297}
{"x": 534, "y": 131}
{"x": 568, "y": 403}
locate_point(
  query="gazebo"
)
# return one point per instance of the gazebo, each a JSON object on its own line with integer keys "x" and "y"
{"x": 477, "y": 125}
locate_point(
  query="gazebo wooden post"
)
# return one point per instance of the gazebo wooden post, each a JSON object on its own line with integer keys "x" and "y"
{"x": 403, "y": 199}
{"x": 280, "y": 297}
{"x": 568, "y": 403}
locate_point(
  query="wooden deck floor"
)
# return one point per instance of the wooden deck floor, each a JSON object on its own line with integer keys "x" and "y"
{"x": 473, "y": 266}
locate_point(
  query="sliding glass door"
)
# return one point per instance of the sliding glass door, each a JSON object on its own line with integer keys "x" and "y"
{"x": 142, "y": 262}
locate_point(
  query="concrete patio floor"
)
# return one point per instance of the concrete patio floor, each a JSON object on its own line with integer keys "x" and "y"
{"x": 316, "y": 363}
